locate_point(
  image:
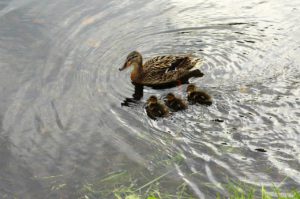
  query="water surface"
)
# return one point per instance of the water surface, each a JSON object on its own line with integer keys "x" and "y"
{"x": 61, "y": 95}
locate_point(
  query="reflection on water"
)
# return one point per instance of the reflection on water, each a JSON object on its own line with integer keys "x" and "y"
{"x": 61, "y": 94}
{"x": 136, "y": 96}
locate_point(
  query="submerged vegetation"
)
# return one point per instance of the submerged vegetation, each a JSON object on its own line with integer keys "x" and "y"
{"x": 244, "y": 191}
{"x": 124, "y": 184}
{"x": 138, "y": 184}
{"x": 153, "y": 190}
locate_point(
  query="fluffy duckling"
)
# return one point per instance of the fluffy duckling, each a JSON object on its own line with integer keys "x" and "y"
{"x": 197, "y": 96}
{"x": 155, "y": 109}
{"x": 175, "y": 103}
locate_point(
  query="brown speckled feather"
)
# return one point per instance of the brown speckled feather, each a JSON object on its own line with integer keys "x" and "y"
{"x": 167, "y": 69}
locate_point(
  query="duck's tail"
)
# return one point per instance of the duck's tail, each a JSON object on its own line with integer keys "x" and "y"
{"x": 195, "y": 73}
{"x": 192, "y": 73}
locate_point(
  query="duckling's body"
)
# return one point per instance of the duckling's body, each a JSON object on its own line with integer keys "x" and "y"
{"x": 197, "y": 96}
{"x": 175, "y": 103}
{"x": 162, "y": 71}
{"x": 155, "y": 109}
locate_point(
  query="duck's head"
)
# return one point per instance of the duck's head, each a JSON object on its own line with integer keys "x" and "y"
{"x": 170, "y": 97}
{"x": 152, "y": 100}
{"x": 191, "y": 88}
{"x": 134, "y": 58}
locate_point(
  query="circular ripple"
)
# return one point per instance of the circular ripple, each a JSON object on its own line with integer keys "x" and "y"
{"x": 64, "y": 114}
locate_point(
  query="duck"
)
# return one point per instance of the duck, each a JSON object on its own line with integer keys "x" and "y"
{"x": 197, "y": 96}
{"x": 175, "y": 103}
{"x": 156, "y": 109}
{"x": 161, "y": 71}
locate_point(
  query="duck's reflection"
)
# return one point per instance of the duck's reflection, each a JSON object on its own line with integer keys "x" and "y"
{"x": 136, "y": 96}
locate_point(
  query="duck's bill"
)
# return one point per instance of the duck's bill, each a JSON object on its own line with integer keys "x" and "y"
{"x": 124, "y": 66}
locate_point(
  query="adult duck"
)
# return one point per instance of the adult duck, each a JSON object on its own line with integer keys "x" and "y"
{"x": 161, "y": 71}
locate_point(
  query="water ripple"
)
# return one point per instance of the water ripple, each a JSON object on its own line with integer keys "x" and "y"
{"x": 62, "y": 91}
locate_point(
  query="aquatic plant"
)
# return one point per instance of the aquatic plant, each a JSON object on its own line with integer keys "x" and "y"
{"x": 154, "y": 190}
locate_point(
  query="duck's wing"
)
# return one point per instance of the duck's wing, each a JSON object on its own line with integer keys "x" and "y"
{"x": 167, "y": 71}
{"x": 150, "y": 113}
{"x": 164, "y": 110}
{"x": 161, "y": 78}
{"x": 170, "y": 63}
{"x": 203, "y": 95}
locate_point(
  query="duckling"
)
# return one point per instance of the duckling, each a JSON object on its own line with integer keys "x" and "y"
{"x": 175, "y": 103}
{"x": 155, "y": 109}
{"x": 196, "y": 95}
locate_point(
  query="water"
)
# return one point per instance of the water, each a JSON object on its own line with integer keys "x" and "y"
{"x": 62, "y": 123}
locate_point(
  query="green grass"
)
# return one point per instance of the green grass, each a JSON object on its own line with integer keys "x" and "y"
{"x": 291, "y": 195}
{"x": 244, "y": 191}
{"x": 140, "y": 184}
{"x": 117, "y": 186}
{"x": 122, "y": 185}
{"x": 153, "y": 190}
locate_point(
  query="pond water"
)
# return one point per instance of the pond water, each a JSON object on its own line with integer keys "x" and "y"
{"x": 62, "y": 123}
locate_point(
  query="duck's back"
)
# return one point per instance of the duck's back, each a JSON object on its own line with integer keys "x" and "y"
{"x": 164, "y": 71}
{"x": 170, "y": 63}
{"x": 200, "y": 97}
{"x": 176, "y": 105}
{"x": 156, "y": 110}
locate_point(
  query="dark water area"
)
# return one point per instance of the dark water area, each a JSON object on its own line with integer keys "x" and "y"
{"x": 61, "y": 120}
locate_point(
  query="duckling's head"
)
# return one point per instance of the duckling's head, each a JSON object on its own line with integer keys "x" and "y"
{"x": 152, "y": 100}
{"x": 191, "y": 88}
{"x": 170, "y": 97}
{"x": 134, "y": 58}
